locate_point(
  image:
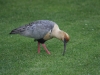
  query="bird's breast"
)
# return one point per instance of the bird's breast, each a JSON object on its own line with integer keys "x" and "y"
{"x": 48, "y": 35}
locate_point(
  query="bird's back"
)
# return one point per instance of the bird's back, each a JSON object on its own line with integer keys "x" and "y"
{"x": 37, "y": 29}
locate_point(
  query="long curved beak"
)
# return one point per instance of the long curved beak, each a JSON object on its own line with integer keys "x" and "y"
{"x": 65, "y": 43}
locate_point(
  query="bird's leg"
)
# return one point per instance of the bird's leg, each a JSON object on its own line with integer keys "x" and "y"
{"x": 45, "y": 48}
{"x": 38, "y": 47}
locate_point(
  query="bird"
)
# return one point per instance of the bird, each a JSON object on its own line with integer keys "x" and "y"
{"x": 41, "y": 31}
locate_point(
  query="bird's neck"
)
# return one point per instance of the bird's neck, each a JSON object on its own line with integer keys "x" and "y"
{"x": 61, "y": 35}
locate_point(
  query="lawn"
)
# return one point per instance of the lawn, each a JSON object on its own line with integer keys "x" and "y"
{"x": 79, "y": 18}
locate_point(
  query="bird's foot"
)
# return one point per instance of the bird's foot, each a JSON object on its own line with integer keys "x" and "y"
{"x": 38, "y": 51}
{"x": 47, "y": 52}
{"x": 45, "y": 48}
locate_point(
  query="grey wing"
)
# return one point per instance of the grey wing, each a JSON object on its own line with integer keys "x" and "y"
{"x": 38, "y": 29}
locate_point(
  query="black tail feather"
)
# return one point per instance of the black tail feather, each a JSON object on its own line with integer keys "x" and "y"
{"x": 13, "y": 32}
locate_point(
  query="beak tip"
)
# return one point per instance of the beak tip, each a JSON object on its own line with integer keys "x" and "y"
{"x": 65, "y": 42}
{"x": 63, "y": 54}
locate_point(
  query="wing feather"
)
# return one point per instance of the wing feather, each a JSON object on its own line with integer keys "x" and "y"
{"x": 37, "y": 29}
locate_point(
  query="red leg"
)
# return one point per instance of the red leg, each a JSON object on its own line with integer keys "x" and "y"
{"x": 45, "y": 48}
{"x": 38, "y": 47}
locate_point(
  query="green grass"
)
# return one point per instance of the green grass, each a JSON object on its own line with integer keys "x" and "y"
{"x": 79, "y": 18}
